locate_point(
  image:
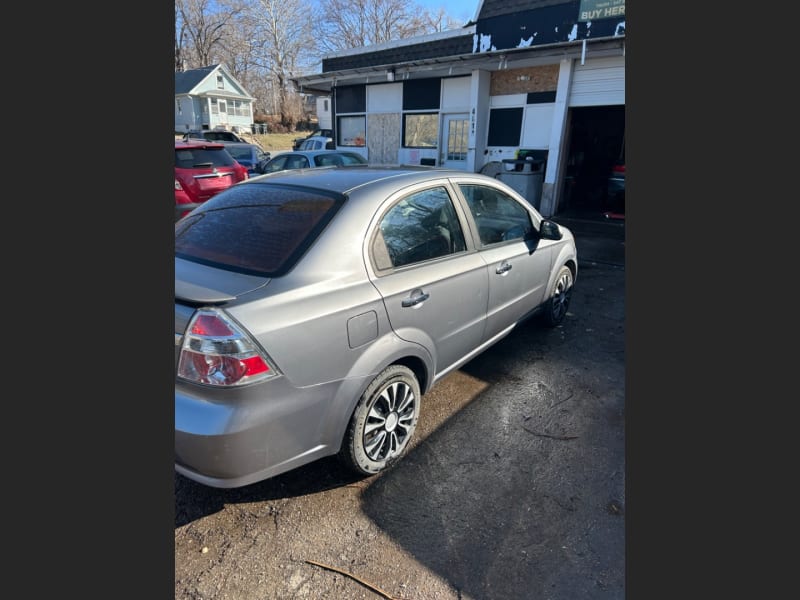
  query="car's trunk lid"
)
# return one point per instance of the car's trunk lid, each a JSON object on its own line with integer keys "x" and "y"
{"x": 196, "y": 283}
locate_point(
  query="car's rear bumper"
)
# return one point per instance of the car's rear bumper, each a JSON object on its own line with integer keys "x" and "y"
{"x": 231, "y": 438}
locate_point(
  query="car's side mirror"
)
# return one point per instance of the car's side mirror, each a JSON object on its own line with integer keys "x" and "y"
{"x": 549, "y": 230}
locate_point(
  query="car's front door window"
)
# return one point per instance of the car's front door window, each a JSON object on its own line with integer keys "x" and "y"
{"x": 498, "y": 216}
{"x": 277, "y": 164}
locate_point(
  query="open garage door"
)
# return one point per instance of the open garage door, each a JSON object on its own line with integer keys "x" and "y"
{"x": 595, "y": 152}
{"x": 595, "y": 136}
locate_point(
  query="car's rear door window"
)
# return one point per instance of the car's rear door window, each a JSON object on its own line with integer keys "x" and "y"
{"x": 257, "y": 229}
{"x": 420, "y": 227}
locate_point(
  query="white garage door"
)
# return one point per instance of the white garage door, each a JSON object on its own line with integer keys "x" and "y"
{"x": 598, "y": 82}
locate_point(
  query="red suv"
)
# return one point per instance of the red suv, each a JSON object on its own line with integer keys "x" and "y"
{"x": 202, "y": 169}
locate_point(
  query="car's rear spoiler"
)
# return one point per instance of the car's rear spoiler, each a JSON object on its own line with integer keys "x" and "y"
{"x": 196, "y": 294}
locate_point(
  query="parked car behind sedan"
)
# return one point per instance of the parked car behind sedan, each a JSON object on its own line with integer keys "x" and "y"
{"x": 248, "y": 155}
{"x": 202, "y": 169}
{"x": 328, "y": 133}
{"x": 307, "y": 159}
{"x": 317, "y": 142}
{"x": 213, "y": 135}
{"x": 315, "y": 308}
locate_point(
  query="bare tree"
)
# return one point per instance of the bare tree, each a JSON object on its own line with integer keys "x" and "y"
{"x": 265, "y": 43}
{"x": 241, "y": 52}
{"x": 348, "y": 24}
{"x": 283, "y": 42}
{"x": 440, "y": 20}
{"x": 201, "y": 26}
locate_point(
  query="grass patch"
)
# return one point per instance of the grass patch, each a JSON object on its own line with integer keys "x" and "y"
{"x": 277, "y": 141}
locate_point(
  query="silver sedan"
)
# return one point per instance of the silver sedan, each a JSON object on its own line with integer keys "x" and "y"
{"x": 315, "y": 308}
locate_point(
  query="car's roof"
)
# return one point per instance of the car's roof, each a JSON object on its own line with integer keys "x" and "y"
{"x": 346, "y": 179}
{"x": 311, "y": 153}
{"x": 227, "y": 143}
{"x": 197, "y": 143}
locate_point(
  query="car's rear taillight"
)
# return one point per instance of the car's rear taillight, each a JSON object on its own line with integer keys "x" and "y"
{"x": 618, "y": 169}
{"x": 216, "y": 351}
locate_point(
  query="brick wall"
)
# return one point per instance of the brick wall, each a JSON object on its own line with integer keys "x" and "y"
{"x": 541, "y": 79}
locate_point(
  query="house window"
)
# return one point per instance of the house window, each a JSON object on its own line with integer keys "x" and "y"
{"x": 240, "y": 108}
{"x": 214, "y": 107}
{"x": 352, "y": 130}
{"x": 178, "y": 106}
{"x": 220, "y": 82}
{"x": 420, "y": 130}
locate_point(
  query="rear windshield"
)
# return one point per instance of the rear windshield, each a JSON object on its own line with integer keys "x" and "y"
{"x": 220, "y": 136}
{"x": 198, "y": 158}
{"x": 259, "y": 229}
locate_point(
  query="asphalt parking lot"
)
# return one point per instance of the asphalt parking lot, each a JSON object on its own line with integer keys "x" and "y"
{"x": 513, "y": 489}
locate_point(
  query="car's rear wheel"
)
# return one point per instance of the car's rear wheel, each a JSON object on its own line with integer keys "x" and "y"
{"x": 383, "y": 422}
{"x": 557, "y": 305}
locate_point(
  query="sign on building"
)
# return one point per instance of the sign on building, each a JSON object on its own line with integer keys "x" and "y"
{"x": 594, "y": 10}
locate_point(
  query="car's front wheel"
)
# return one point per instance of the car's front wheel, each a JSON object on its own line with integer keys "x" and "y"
{"x": 556, "y": 307}
{"x": 383, "y": 422}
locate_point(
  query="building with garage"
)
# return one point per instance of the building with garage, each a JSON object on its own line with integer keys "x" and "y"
{"x": 529, "y": 91}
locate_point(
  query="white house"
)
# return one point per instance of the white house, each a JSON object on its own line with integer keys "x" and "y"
{"x": 210, "y": 98}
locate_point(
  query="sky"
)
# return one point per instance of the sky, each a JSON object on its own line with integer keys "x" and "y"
{"x": 461, "y": 10}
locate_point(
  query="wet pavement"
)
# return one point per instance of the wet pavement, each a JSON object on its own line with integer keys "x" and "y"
{"x": 514, "y": 487}
{"x": 599, "y": 240}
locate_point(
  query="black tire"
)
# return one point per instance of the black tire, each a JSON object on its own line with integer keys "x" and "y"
{"x": 558, "y": 303}
{"x": 383, "y": 422}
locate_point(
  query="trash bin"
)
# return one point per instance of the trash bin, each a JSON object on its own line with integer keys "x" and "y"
{"x": 526, "y": 176}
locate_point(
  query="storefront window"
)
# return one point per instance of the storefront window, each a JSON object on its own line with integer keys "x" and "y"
{"x": 352, "y": 131}
{"x": 420, "y": 130}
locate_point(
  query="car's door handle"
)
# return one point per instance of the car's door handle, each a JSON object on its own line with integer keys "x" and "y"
{"x": 503, "y": 268}
{"x": 416, "y": 297}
